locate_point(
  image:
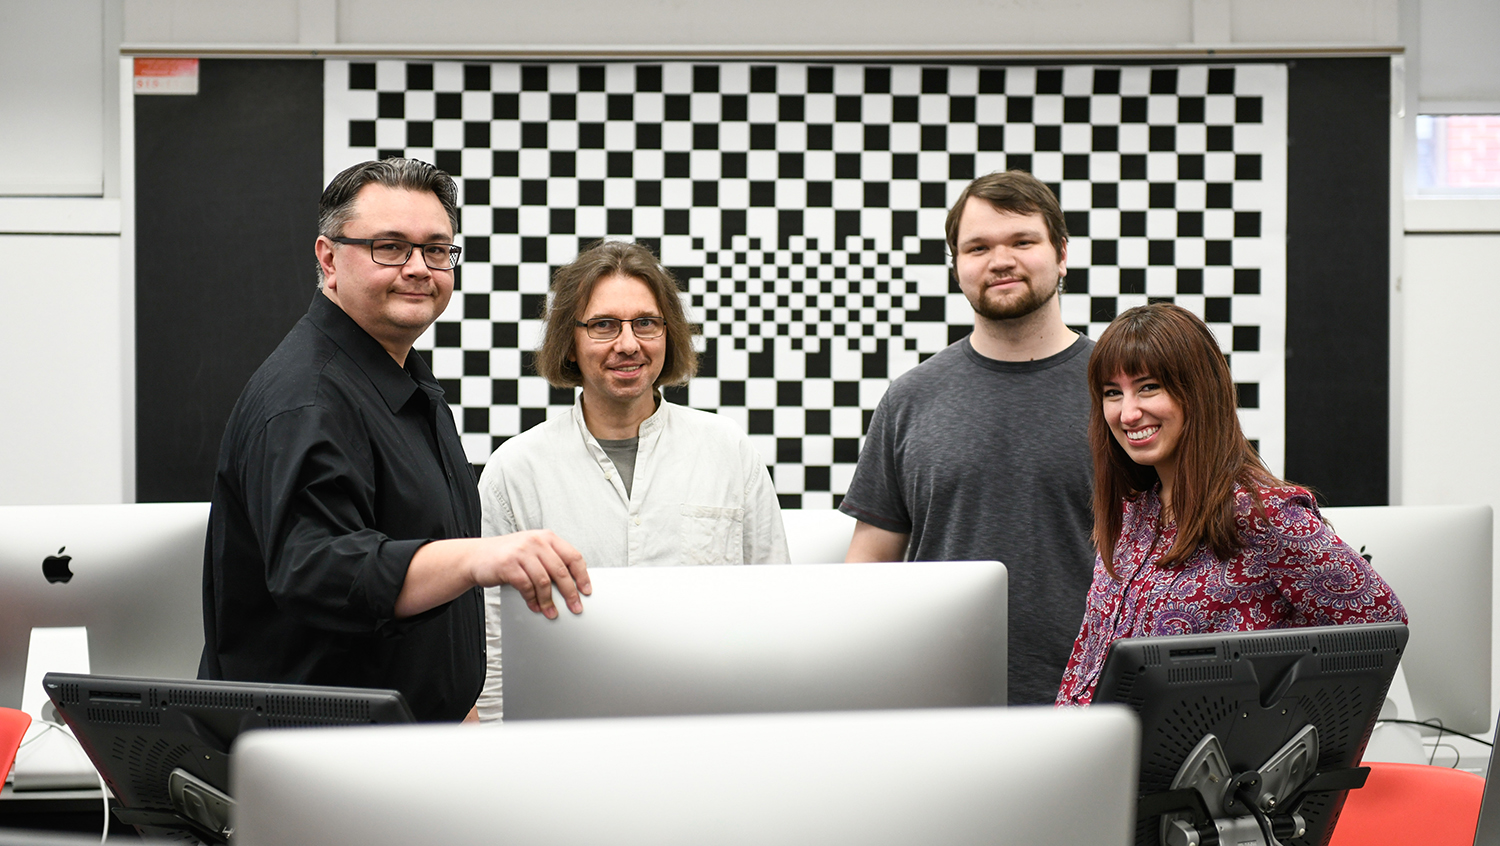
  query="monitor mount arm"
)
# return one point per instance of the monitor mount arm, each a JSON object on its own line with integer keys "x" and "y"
{"x": 197, "y": 807}
{"x": 1209, "y": 803}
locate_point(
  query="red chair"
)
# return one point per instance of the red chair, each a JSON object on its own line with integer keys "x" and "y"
{"x": 13, "y": 726}
{"x": 1411, "y": 804}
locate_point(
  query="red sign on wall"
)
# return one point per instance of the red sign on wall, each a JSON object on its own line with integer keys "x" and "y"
{"x": 166, "y": 76}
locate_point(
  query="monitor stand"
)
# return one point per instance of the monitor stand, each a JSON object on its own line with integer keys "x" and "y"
{"x": 197, "y": 807}
{"x": 1210, "y": 803}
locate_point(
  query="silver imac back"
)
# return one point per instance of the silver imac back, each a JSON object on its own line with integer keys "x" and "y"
{"x": 1438, "y": 560}
{"x": 812, "y": 637}
{"x": 131, "y": 574}
{"x": 878, "y": 778}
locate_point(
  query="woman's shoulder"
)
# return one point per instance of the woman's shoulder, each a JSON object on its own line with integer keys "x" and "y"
{"x": 1284, "y": 510}
{"x": 1274, "y": 496}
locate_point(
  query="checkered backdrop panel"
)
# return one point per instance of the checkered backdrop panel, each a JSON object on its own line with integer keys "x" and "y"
{"x": 801, "y": 207}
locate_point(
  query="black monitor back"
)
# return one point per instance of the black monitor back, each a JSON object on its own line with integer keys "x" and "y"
{"x": 1254, "y": 691}
{"x": 137, "y": 731}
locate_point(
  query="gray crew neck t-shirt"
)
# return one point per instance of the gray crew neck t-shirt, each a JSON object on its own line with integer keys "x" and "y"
{"x": 983, "y": 459}
{"x": 622, "y": 452}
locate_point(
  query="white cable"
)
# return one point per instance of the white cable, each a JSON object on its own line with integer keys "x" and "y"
{"x": 38, "y": 736}
{"x": 104, "y": 795}
{"x": 103, "y": 791}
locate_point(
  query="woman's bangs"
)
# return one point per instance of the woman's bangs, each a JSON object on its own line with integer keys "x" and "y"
{"x": 1126, "y": 351}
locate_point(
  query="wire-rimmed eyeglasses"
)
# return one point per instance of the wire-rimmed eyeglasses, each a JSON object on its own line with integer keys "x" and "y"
{"x": 608, "y": 328}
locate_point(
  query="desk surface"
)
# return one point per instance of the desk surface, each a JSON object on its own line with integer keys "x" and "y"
{"x": 51, "y": 801}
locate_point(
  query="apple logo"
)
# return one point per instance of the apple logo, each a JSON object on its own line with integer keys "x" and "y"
{"x": 55, "y": 567}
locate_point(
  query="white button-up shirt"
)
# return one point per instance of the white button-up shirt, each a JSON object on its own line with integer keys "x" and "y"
{"x": 701, "y": 495}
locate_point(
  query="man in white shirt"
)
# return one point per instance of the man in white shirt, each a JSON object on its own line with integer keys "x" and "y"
{"x": 629, "y": 479}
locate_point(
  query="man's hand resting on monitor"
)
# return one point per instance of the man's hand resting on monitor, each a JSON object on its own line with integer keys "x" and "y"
{"x": 531, "y": 562}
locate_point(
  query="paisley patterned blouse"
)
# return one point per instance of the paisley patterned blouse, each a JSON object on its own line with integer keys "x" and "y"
{"x": 1294, "y": 571}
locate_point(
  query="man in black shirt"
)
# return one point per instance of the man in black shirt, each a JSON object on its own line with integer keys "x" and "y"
{"x": 342, "y": 544}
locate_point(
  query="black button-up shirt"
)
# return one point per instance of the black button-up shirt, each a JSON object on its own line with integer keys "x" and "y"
{"x": 336, "y": 465}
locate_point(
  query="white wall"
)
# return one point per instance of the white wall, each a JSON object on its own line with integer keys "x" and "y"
{"x": 768, "y": 22}
{"x": 52, "y": 109}
{"x": 63, "y": 343}
{"x": 1459, "y": 55}
{"x": 1451, "y": 442}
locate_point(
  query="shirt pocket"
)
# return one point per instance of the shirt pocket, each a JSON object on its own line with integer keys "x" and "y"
{"x": 713, "y": 534}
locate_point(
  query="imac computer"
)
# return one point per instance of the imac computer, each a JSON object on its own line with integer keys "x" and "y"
{"x": 817, "y": 535}
{"x": 660, "y": 641}
{"x": 1438, "y": 560}
{"x": 876, "y": 778}
{"x": 1251, "y": 737}
{"x": 163, "y": 745}
{"x": 131, "y": 574}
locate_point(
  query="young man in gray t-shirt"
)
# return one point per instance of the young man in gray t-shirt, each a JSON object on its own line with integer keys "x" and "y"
{"x": 982, "y": 451}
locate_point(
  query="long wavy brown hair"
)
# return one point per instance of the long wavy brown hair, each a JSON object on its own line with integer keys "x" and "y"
{"x": 573, "y": 284}
{"x": 1172, "y": 345}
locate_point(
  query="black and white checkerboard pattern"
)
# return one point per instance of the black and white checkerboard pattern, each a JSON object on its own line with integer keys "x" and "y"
{"x": 801, "y": 206}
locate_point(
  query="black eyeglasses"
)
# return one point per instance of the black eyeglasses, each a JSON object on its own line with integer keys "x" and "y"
{"x": 608, "y": 328}
{"x": 394, "y": 252}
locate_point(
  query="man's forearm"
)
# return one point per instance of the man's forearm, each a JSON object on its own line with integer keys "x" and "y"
{"x": 872, "y": 543}
{"x": 531, "y": 562}
{"x": 438, "y": 573}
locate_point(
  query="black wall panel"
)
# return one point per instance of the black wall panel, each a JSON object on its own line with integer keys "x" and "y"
{"x": 1338, "y": 278}
{"x": 227, "y": 186}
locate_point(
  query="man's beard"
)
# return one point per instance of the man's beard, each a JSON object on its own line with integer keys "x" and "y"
{"x": 1013, "y": 307}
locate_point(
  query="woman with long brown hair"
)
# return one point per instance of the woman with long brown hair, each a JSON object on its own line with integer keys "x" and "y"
{"x": 1194, "y": 533}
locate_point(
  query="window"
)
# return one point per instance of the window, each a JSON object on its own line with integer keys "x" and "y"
{"x": 1458, "y": 154}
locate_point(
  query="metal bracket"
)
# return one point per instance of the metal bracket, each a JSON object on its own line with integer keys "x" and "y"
{"x": 1207, "y": 802}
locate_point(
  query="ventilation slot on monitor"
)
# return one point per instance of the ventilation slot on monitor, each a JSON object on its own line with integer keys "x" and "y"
{"x": 1126, "y": 686}
{"x": 1329, "y": 708}
{"x": 150, "y": 764}
{"x": 1358, "y": 640}
{"x": 286, "y": 711}
{"x": 1318, "y": 806}
{"x": 1151, "y": 655}
{"x": 1202, "y": 673}
{"x": 1351, "y": 663}
{"x": 210, "y": 699}
{"x": 1287, "y": 645}
{"x": 1191, "y": 719}
{"x": 123, "y": 716}
{"x": 70, "y": 694}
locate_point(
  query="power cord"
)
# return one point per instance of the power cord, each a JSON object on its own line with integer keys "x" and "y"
{"x": 1437, "y": 724}
{"x": 48, "y": 725}
{"x": 1441, "y": 730}
{"x": 1246, "y": 795}
{"x": 1457, "y": 755}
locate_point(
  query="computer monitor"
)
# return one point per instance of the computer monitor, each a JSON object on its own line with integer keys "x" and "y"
{"x": 875, "y": 778}
{"x": 163, "y": 745}
{"x": 657, "y": 641}
{"x": 131, "y": 574}
{"x": 1438, "y": 559}
{"x": 816, "y": 535}
{"x": 1255, "y": 693}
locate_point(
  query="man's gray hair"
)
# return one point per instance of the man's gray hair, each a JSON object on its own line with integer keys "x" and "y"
{"x": 336, "y": 207}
